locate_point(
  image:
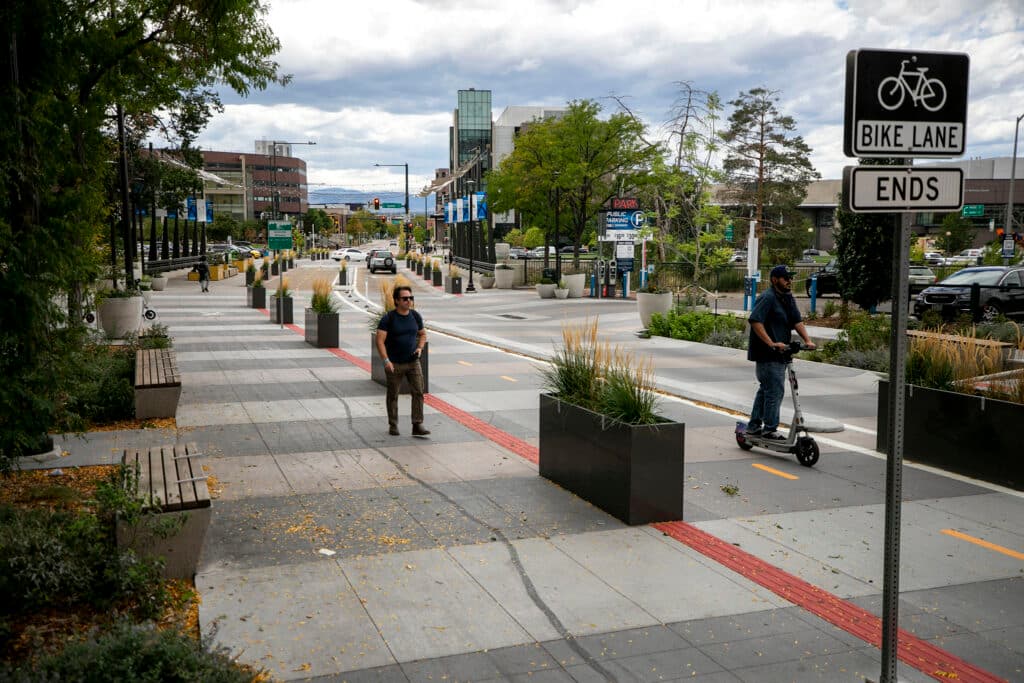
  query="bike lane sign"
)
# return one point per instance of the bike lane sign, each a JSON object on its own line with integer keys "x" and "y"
{"x": 905, "y": 104}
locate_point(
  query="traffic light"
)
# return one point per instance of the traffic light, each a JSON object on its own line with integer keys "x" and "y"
{"x": 383, "y": 219}
{"x": 376, "y": 203}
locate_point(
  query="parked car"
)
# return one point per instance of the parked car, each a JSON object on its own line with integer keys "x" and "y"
{"x": 828, "y": 280}
{"x": 811, "y": 253}
{"x": 934, "y": 258}
{"x": 348, "y": 254}
{"x": 1002, "y": 292}
{"x": 538, "y": 252}
{"x": 967, "y": 257}
{"x": 517, "y": 252}
{"x": 393, "y": 243}
{"x": 920, "y": 277}
{"x": 738, "y": 257}
{"x": 381, "y": 259}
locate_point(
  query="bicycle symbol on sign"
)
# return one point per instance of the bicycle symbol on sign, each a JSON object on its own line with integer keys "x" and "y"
{"x": 929, "y": 92}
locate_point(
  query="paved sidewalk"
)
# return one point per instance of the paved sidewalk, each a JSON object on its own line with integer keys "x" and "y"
{"x": 339, "y": 553}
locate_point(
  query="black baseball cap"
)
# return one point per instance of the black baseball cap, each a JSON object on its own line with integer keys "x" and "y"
{"x": 782, "y": 271}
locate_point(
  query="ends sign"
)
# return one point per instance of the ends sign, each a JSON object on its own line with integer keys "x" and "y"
{"x": 905, "y": 103}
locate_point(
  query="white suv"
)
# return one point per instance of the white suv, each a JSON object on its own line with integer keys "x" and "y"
{"x": 382, "y": 259}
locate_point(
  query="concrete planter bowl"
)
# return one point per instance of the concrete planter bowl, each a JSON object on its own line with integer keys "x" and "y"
{"x": 649, "y": 304}
{"x": 486, "y": 281}
{"x": 632, "y": 472}
{"x": 120, "y": 316}
{"x": 562, "y": 293}
{"x": 970, "y": 435}
{"x": 504, "y": 278}
{"x": 576, "y": 284}
{"x": 322, "y": 329}
{"x": 546, "y": 291}
{"x": 379, "y": 375}
{"x": 159, "y": 282}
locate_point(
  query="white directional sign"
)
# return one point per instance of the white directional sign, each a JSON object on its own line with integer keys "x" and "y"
{"x": 889, "y": 189}
{"x": 617, "y": 236}
{"x": 905, "y": 104}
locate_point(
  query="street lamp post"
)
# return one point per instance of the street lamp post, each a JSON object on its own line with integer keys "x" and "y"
{"x": 1013, "y": 173}
{"x": 469, "y": 197}
{"x": 558, "y": 248}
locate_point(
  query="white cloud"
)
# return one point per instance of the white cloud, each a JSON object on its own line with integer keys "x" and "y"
{"x": 376, "y": 81}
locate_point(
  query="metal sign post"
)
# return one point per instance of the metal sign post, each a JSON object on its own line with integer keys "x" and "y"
{"x": 279, "y": 237}
{"x": 901, "y": 104}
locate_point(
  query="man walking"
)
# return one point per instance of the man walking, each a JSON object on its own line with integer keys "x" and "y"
{"x": 400, "y": 341}
{"x": 774, "y": 317}
{"x": 204, "y": 275}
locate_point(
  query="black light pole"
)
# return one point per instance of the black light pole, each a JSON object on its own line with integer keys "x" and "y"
{"x": 558, "y": 248}
{"x": 1009, "y": 197}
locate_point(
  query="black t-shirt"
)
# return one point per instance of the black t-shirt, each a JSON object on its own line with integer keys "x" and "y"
{"x": 779, "y": 314}
{"x": 203, "y": 270}
{"x": 403, "y": 333}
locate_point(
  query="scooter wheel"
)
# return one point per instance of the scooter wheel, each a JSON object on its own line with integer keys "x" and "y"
{"x": 742, "y": 443}
{"x": 807, "y": 452}
{"x": 150, "y": 314}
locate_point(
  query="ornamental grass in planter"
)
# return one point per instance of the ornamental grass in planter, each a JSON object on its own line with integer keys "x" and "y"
{"x": 453, "y": 285}
{"x": 281, "y": 311}
{"x": 438, "y": 276}
{"x": 256, "y": 294}
{"x": 343, "y": 273}
{"x": 601, "y": 436}
{"x": 250, "y": 273}
{"x": 322, "y": 316}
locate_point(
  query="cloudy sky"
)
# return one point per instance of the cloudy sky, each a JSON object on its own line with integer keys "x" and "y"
{"x": 376, "y": 82}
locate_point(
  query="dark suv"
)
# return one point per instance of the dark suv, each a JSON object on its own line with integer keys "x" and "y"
{"x": 828, "y": 280}
{"x": 1001, "y": 292}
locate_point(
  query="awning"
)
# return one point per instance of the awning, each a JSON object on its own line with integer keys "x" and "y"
{"x": 442, "y": 183}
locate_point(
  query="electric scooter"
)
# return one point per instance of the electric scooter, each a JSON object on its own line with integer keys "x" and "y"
{"x": 798, "y": 442}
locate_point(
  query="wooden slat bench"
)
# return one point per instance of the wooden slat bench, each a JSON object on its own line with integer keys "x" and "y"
{"x": 157, "y": 383}
{"x": 170, "y": 482}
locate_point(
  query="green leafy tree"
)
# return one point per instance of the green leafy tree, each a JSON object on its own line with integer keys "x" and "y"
{"x": 71, "y": 71}
{"x": 577, "y": 162}
{"x": 957, "y": 233}
{"x": 864, "y": 243}
{"x": 767, "y": 164}
{"x": 533, "y": 238}
{"x": 224, "y": 225}
{"x": 514, "y": 237}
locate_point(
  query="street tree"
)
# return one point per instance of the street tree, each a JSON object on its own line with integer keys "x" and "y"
{"x": 575, "y": 163}
{"x": 956, "y": 234}
{"x": 767, "y": 164}
{"x": 76, "y": 73}
{"x": 864, "y": 243}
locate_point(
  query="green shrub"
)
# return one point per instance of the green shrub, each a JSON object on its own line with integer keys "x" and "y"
{"x": 135, "y": 652}
{"x": 872, "y": 359}
{"x": 1003, "y": 331}
{"x": 928, "y": 370}
{"x": 733, "y": 339}
{"x": 693, "y": 325}
{"x": 100, "y": 389}
{"x": 866, "y": 332}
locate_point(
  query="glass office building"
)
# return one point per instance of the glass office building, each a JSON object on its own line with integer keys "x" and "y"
{"x": 472, "y": 130}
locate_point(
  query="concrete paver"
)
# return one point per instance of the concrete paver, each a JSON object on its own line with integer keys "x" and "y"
{"x": 452, "y": 558}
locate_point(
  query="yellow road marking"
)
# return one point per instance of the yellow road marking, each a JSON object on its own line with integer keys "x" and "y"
{"x": 984, "y": 544}
{"x": 771, "y": 470}
{"x": 510, "y": 379}
{"x": 462, "y": 362}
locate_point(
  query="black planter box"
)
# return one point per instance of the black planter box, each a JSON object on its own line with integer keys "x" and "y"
{"x": 419, "y": 267}
{"x": 969, "y": 435}
{"x": 428, "y": 274}
{"x": 322, "y": 329}
{"x": 291, "y": 261}
{"x": 266, "y": 270}
{"x": 284, "y": 306}
{"x": 632, "y": 472}
{"x": 284, "y": 265}
{"x": 250, "y": 277}
{"x": 438, "y": 278}
{"x": 379, "y": 375}
{"x": 256, "y": 297}
{"x": 343, "y": 277}
{"x": 453, "y": 285}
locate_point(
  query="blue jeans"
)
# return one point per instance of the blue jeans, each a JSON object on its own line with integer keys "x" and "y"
{"x": 765, "y": 413}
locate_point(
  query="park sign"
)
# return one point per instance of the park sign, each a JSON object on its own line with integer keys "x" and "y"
{"x": 905, "y": 104}
{"x": 279, "y": 235}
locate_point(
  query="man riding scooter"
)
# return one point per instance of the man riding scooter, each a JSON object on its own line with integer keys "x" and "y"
{"x": 772, "y": 320}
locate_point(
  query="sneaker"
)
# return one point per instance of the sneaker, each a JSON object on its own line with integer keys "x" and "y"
{"x": 419, "y": 430}
{"x": 393, "y": 431}
{"x": 773, "y": 435}
{"x": 753, "y": 431}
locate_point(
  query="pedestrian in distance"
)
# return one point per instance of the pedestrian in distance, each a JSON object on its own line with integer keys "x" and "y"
{"x": 774, "y": 317}
{"x": 400, "y": 341}
{"x": 204, "y": 275}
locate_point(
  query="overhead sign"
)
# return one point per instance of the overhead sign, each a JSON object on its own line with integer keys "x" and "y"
{"x": 623, "y": 220}
{"x": 618, "y": 236}
{"x": 890, "y": 189}
{"x": 973, "y": 211}
{"x": 279, "y": 235}
{"x": 625, "y": 203}
{"x": 392, "y": 205}
{"x": 911, "y": 104}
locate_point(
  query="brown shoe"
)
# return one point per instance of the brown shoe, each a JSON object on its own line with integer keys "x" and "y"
{"x": 419, "y": 430}
{"x": 393, "y": 431}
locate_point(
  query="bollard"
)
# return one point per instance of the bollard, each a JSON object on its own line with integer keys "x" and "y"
{"x": 814, "y": 292}
{"x": 976, "y": 301}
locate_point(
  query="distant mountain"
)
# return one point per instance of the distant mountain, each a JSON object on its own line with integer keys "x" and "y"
{"x": 339, "y": 195}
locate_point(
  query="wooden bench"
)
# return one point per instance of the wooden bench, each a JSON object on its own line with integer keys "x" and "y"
{"x": 157, "y": 383}
{"x": 1005, "y": 348}
{"x": 171, "y": 483}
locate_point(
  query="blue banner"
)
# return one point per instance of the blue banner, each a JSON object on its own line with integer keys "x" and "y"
{"x": 191, "y": 204}
{"x": 209, "y": 210}
{"x": 481, "y": 206}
